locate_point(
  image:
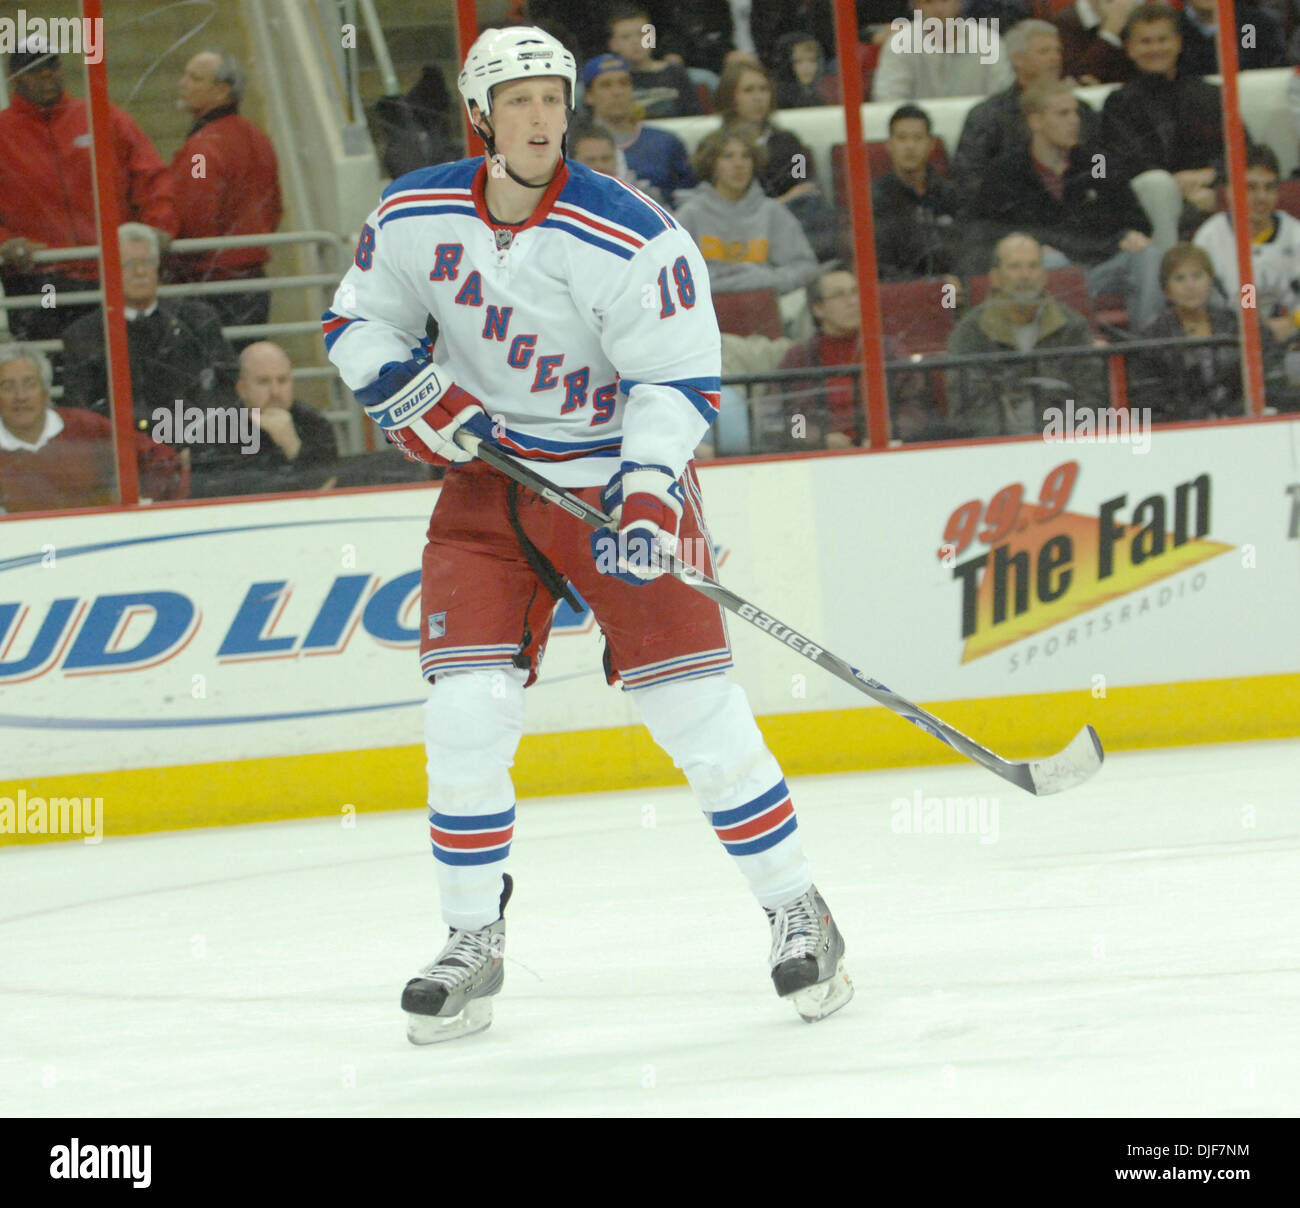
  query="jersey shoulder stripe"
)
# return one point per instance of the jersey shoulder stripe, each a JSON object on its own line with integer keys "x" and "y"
{"x": 602, "y": 198}
{"x": 457, "y": 175}
{"x": 587, "y": 235}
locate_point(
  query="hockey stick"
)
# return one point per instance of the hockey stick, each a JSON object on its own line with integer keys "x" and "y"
{"x": 1068, "y": 767}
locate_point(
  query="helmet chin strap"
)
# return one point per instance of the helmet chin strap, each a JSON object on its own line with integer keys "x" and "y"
{"x": 489, "y": 140}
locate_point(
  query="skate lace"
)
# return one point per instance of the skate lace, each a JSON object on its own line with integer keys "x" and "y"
{"x": 796, "y": 929}
{"x": 465, "y": 954}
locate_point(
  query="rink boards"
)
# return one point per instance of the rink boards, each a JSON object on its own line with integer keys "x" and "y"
{"x": 227, "y": 662}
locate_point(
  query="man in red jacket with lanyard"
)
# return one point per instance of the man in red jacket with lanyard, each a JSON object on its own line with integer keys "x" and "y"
{"x": 47, "y": 196}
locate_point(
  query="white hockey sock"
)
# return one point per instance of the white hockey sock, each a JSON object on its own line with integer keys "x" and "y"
{"x": 707, "y": 727}
{"x": 473, "y": 720}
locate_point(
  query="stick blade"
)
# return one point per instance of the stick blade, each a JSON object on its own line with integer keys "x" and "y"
{"x": 1068, "y": 767}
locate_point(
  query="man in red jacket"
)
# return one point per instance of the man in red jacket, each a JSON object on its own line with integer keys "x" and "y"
{"x": 226, "y": 182}
{"x": 47, "y": 196}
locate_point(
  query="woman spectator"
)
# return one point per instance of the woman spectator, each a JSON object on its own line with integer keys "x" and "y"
{"x": 748, "y": 240}
{"x": 745, "y": 95}
{"x": 1180, "y": 383}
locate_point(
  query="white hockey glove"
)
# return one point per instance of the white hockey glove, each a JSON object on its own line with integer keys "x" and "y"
{"x": 420, "y": 409}
{"x": 645, "y": 502}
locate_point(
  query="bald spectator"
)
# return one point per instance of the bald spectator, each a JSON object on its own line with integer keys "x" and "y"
{"x": 1092, "y": 40}
{"x": 293, "y": 433}
{"x": 47, "y": 191}
{"x": 1008, "y": 398}
{"x": 227, "y": 183}
{"x": 296, "y": 449}
{"x": 997, "y": 125}
{"x": 908, "y": 73}
{"x": 62, "y": 457}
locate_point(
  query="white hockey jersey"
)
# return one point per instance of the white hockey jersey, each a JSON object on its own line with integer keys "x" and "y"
{"x": 1275, "y": 265}
{"x": 587, "y": 332}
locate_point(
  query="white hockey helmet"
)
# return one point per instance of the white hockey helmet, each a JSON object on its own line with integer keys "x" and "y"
{"x": 519, "y": 52}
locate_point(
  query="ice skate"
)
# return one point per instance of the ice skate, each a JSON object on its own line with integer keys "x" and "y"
{"x": 807, "y": 957}
{"x": 452, "y": 996}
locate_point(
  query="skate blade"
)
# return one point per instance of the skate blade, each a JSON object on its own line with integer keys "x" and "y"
{"x": 475, "y": 1016}
{"x": 825, "y": 998}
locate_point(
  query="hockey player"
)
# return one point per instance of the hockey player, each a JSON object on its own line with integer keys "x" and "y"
{"x": 575, "y": 328}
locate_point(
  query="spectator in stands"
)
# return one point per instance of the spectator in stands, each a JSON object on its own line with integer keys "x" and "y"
{"x": 1050, "y": 189}
{"x": 47, "y": 192}
{"x": 1161, "y": 119}
{"x": 654, "y": 156}
{"x": 1092, "y": 40}
{"x": 1198, "y": 25}
{"x": 594, "y": 146}
{"x": 802, "y": 77}
{"x": 830, "y": 406}
{"x": 176, "y": 348}
{"x": 997, "y": 124}
{"x": 748, "y": 240}
{"x": 1275, "y": 249}
{"x": 745, "y": 95}
{"x": 226, "y": 180}
{"x": 62, "y": 457}
{"x": 914, "y": 210}
{"x": 296, "y": 451}
{"x": 660, "y": 88}
{"x": 771, "y": 20}
{"x": 1004, "y": 399}
{"x": 1190, "y": 383}
{"x": 908, "y": 73}
{"x": 419, "y": 128}
{"x": 298, "y": 434}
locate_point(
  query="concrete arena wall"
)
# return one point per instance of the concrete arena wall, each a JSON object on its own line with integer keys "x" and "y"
{"x": 232, "y": 662}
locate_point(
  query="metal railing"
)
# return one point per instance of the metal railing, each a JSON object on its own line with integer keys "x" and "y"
{"x": 342, "y": 412}
{"x": 1115, "y": 356}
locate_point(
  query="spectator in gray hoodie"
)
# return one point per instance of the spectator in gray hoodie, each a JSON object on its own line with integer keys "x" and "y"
{"x": 748, "y": 240}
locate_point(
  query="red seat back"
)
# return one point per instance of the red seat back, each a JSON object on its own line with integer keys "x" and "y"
{"x": 913, "y": 312}
{"x": 751, "y": 312}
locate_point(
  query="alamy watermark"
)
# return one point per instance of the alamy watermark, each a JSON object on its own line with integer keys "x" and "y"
{"x": 53, "y": 816}
{"x": 80, "y": 1160}
{"x": 1085, "y": 425}
{"x": 918, "y": 35}
{"x": 918, "y": 815}
{"x": 53, "y": 35}
{"x": 182, "y": 425}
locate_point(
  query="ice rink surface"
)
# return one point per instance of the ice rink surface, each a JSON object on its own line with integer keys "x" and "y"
{"x": 1129, "y": 948}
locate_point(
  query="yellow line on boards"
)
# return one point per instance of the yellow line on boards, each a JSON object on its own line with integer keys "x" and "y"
{"x": 587, "y": 761}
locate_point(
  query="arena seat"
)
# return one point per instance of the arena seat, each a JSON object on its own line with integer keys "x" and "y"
{"x": 914, "y": 313}
{"x": 750, "y": 312}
